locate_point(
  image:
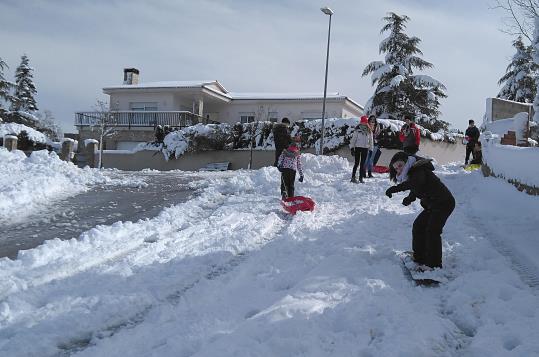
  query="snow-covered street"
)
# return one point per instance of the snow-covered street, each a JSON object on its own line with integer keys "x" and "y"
{"x": 104, "y": 203}
{"x": 228, "y": 273}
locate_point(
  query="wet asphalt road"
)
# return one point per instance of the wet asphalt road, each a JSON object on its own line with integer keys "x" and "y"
{"x": 102, "y": 205}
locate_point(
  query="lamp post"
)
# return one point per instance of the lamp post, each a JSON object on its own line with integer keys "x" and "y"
{"x": 326, "y": 10}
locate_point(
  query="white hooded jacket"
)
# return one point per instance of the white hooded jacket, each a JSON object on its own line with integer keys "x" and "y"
{"x": 362, "y": 138}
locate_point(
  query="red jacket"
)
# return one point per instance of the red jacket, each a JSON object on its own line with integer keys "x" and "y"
{"x": 414, "y": 131}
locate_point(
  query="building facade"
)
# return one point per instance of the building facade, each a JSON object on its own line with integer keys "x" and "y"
{"x": 136, "y": 109}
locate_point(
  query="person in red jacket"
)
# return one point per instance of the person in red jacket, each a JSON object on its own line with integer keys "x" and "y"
{"x": 409, "y": 136}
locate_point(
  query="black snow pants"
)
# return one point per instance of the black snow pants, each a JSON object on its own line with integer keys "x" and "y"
{"x": 288, "y": 178}
{"x": 469, "y": 150}
{"x": 427, "y": 234}
{"x": 360, "y": 156}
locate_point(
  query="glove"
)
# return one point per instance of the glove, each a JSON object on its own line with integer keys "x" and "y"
{"x": 390, "y": 191}
{"x": 406, "y": 201}
{"x": 301, "y": 178}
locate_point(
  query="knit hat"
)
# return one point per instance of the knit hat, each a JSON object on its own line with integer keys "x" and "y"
{"x": 364, "y": 119}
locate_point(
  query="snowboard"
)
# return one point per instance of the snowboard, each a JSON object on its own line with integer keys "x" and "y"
{"x": 426, "y": 278}
{"x": 472, "y": 167}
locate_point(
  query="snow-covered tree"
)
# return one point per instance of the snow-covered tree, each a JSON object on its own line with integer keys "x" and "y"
{"x": 398, "y": 90}
{"x": 519, "y": 79}
{"x": 47, "y": 124}
{"x": 5, "y": 86}
{"x": 25, "y": 89}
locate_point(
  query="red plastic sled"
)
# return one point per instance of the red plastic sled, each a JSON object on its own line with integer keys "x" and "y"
{"x": 381, "y": 169}
{"x": 297, "y": 203}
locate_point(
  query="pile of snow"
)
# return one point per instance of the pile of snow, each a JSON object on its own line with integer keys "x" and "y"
{"x": 518, "y": 124}
{"x": 28, "y": 184}
{"x": 15, "y": 129}
{"x": 228, "y": 274}
{"x": 511, "y": 162}
{"x": 338, "y": 132}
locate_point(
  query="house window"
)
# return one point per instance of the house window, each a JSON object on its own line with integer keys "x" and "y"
{"x": 144, "y": 106}
{"x": 247, "y": 117}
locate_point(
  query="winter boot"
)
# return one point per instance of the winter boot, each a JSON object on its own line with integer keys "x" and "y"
{"x": 370, "y": 174}
{"x": 361, "y": 180}
{"x": 353, "y": 180}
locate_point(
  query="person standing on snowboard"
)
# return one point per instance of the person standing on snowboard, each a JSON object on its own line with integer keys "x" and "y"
{"x": 472, "y": 137}
{"x": 415, "y": 174}
{"x": 289, "y": 162}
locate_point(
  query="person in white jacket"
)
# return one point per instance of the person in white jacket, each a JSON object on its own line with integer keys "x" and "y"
{"x": 360, "y": 144}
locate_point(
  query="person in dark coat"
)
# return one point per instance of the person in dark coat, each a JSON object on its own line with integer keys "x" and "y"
{"x": 415, "y": 174}
{"x": 281, "y": 138}
{"x": 472, "y": 136}
{"x": 477, "y": 154}
{"x": 409, "y": 136}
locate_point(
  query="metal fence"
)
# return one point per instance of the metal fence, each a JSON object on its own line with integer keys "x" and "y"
{"x": 130, "y": 119}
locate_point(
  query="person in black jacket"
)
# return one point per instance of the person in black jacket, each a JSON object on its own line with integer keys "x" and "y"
{"x": 415, "y": 174}
{"x": 472, "y": 135}
{"x": 281, "y": 138}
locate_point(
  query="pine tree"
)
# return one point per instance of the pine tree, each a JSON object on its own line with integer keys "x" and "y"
{"x": 25, "y": 90}
{"x": 398, "y": 91}
{"x": 5, "y": 86}
{"x": 520, "y": 75}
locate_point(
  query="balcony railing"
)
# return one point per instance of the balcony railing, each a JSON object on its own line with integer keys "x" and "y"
{"x": 138, "y": 119}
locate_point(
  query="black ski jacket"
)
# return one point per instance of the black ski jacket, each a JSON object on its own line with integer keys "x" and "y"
{"x": 473, "y": 134}
{"x": 425, "y": 185}
{"x": 281, "y": 137}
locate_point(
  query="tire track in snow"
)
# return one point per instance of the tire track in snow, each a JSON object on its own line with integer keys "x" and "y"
{"x": 214, "y": 272}
{"x": 527, "y": 271}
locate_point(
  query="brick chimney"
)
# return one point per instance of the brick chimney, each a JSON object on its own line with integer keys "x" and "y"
{"x": 131, "y": 76}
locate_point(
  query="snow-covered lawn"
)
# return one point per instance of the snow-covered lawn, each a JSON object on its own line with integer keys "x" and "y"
{"x": 229, "y": 274}
{"x": 28, "y": 184}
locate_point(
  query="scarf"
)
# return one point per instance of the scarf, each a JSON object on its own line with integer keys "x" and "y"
{"x": 404, "y": 173}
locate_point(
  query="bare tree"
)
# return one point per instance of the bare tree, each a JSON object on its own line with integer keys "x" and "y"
{"x": 520, "y": 16}
{"x": 104, "y": 122}
{"x": 47, "y": 124}
{"x": 262, "y": 114}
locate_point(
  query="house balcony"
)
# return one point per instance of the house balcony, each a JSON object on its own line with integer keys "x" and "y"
{"x": 139, "y": 119}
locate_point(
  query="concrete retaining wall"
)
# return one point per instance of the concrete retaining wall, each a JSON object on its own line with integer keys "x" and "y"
{"x": 443, "y": 152}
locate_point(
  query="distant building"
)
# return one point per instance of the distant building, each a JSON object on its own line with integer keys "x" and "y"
{"x": 138, "y": 108}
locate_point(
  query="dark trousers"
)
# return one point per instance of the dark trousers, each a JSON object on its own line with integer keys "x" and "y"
{"x": 469, "y": 150}
{"x": 278, "y": 152}
{"x": 427, "y": 235}
{"x": 360, "y": 156}
{"x": 410, "y": 150}
{"x": 288, "y": 178}
{"x": 377, "y": 156}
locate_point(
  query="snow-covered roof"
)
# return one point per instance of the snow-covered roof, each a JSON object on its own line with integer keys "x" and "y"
{"x": 168, "y": 84}
{"x": 233, "y": 95}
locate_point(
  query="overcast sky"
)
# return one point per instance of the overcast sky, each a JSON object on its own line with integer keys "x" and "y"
{"x": 77, "y": 47}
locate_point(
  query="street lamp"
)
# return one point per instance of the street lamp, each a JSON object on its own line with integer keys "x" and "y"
{"x": 326, "y": 10}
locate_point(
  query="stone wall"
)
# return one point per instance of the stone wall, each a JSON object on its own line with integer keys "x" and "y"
{"x": 124, "y": 160}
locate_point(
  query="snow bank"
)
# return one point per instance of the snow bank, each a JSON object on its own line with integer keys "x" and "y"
{"x": 13, "y": 128}
{"x": 229, "y": 274}
{"x": 511, "y": 162}
{"x": 518, "y": 124}
{"x": 27, "y": 184}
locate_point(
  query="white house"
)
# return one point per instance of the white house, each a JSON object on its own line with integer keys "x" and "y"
{"x": 137, "y": 108}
